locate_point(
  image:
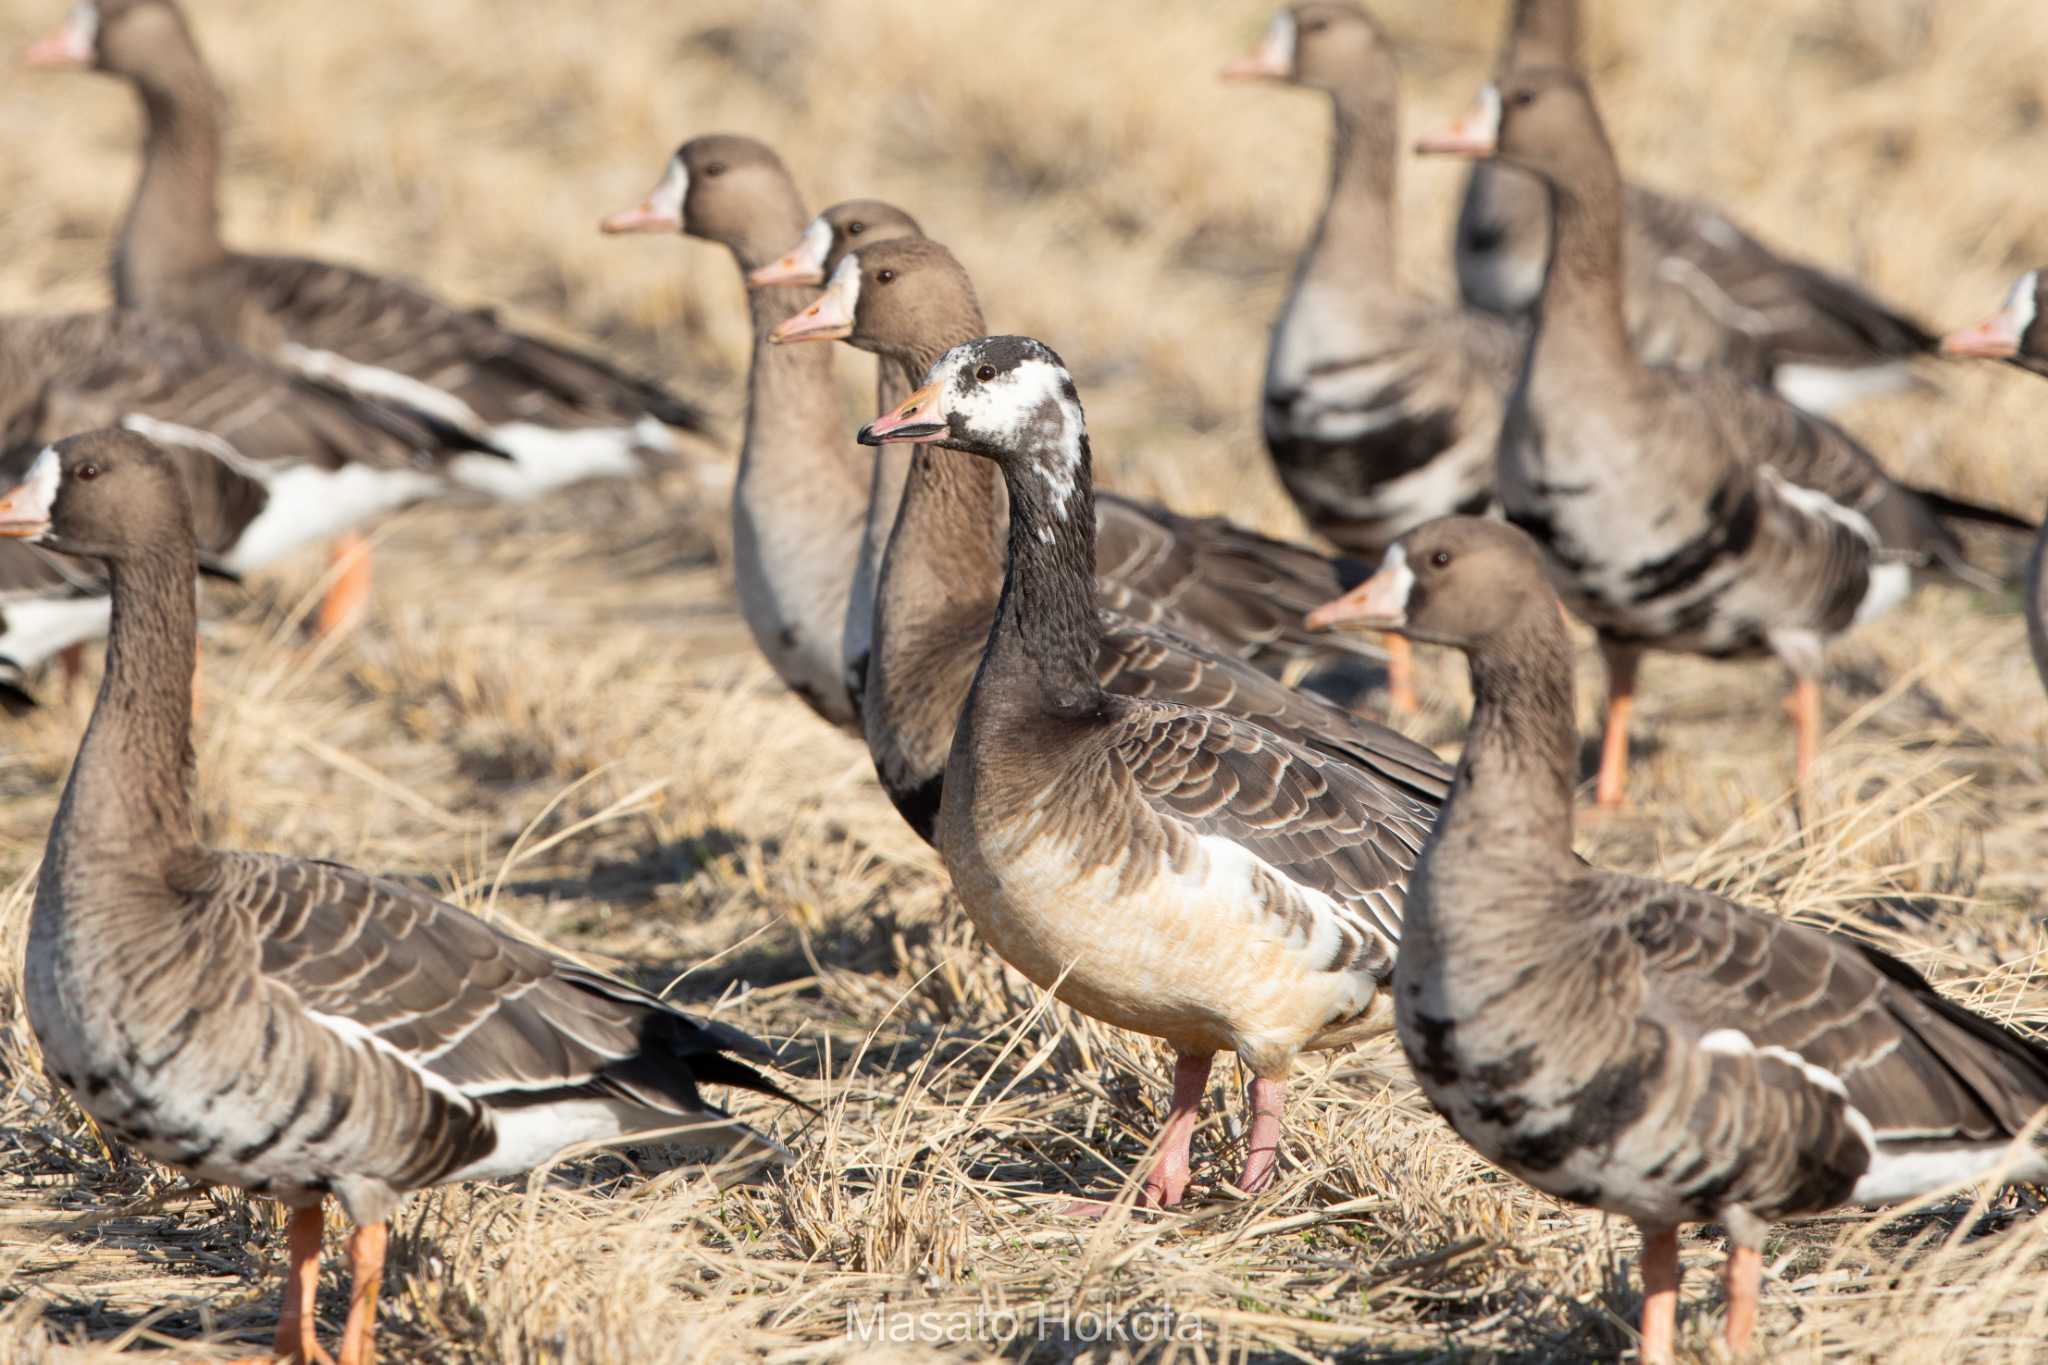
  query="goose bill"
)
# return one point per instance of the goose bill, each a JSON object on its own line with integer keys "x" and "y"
{"x": 1475, "y": 134}
{"x": 1995, "y": 338}
{"x": 660, "y": 211}
{"x": 71, "y": 45}
{"x": 1379, "y": 603}
{"x": 25, "y": 508}
{"x": 917, "y": 419}
{"x": 1274, "y": 59}
{"x": 803, "y": 263}
{"x": 830, "y": 317}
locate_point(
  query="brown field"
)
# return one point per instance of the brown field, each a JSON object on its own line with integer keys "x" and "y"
{"x": 553, "y": 714}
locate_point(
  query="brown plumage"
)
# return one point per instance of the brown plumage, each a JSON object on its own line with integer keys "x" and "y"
{"x": 1170, "y": 869}
{"x": 1698, "y": 290}
{"x": 296, "y": 1027}
{"x": 1643, "y": 1047}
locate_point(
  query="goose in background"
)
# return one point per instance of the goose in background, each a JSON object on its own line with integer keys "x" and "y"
{"x": 287, "y": 1025}
{"x": 1639, "y": 1046}
{"x": 559, "y": 413}
{"x": 1381, "y": 409}
{"x": 1699, "y": 290}
{"x": 800, "y": 495}
{"x": 846, "y": 226}
{"x": 1169, "y": 869}
{"x": 2018, "y": 335}
{"x": 1680, "y": 510}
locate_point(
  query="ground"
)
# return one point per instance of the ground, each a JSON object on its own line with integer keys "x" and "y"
{"x": 553, "y": 715}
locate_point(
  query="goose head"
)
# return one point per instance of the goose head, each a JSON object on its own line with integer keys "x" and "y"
{"x": 109, "y": 494}
{"x": 2017, "y": 332}
{"x": 1321, "y": 44}
{"x": 1458, "y": 581}
{"x": 895, "y": 298}
{"x": 721, "y": 187}
{"x": 125, "y": 37}
{"x": 1542, "y": 119}
{"x": 847, "y": 226}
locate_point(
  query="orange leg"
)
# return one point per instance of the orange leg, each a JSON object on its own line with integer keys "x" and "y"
{"x": 366, "y": 1271}
{"x": 1262, "y": 1145}
{"x": 1621, "y": 701}
{"x": 1804, "y": 707}
{"x": 297, "y": 1325}
{"x": 1660, "y": 1295}
{"x": 1745, "y": 1272}
{"x": 1401, "y": 697}
{"x": 349, "y": 595}
{"x": 1168, "y": 1179}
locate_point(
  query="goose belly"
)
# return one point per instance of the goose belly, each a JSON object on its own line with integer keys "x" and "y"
{"x": 793, "y": 593}
{"x": 33, "y": 629}
{"x": 307, "y": 504}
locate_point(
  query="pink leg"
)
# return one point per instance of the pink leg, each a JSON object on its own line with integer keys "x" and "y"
{"x": 1745, "y": 1275}
{"x": 1262, "y": 1148}
{"x": 1660, "y": 1295}
{"x": 1168, "y": 1179}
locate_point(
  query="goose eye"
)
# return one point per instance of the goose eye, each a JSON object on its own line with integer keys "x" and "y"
{"x": 715, "y": 168}
{"x": 1440, "y": 558}
{"x": 856, "y": 229}
{"x": 1521, "y": 99}
{"x": 985, "y": 373}
{"x": 884, "y": 276}
{"x": 1314, "y": 25}
{"x": 88, "y": 472}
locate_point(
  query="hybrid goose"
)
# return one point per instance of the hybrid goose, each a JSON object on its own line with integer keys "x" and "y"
{"x": 291, "y": 1026}
{"x": 1169, "y": 869}
{"x": 2018, "y": 335}
{"x": 942, "y": 572}
{"x": 1643, "y": 1047}
{"x": 1699, "y": 290}
{"x": 560, "y": 414}
{"x": 1678, "y": 510}
{"x": 800, "y": 493}
{"x": 270, "y": 463}
{"x": 1381, "y": 409}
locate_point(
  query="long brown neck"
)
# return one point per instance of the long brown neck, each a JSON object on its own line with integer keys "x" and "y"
{"x": 1355, "y": 240}
{"x": 1041, "y": 653}
{"x": 1541, "y": 33}
{"x": 130, "y": 791}
{"x": 795, "y": 422}
{"x": 1580, "y": 325}
{"x": 173, "y": 225}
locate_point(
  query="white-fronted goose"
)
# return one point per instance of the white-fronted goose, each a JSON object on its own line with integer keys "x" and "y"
{"x": 846, "y": 226}
{"x": 1381, "y": 409}
{"x": 1643, "y": 1047}
{"x": 1699, "y": 289}
{"x": 2018, "y": 335}
{"x": 1172, "y": 870}
{"x": 270, "y": 462}
{"x": 943, "y": 571}
{"x": 290, "y": 1026}
{"x": 1679, "y": 510}
{"x": 559, "y": 413}
{"x": 800, "y": 492}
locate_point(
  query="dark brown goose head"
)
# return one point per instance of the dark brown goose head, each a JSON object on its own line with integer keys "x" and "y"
{"x": 908, "y": 300}
{"x": 847, "y": 226}
{"x": 723, "y": 188}
{"x": 107, "y": 494}
{"x": 1008, "y": 399}
{"x": 1321, "y": 44}
{"x": 1542, "y": 119}
{"x": 1458, "y": 581}
{"x": 123, "y": 37}
{"x": 2018, "y": 332}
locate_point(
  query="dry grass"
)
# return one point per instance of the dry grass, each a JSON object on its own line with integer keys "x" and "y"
{"x": 570, "y": 731}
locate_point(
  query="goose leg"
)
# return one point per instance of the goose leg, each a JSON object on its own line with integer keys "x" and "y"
{"x": 1621, "y": 700}
{"x": 1804, "y": 707}
{"x": 1745, "y": 1272}
{"x": 1167, "y": 1181}
{"x": 1660, "y": 1295}
{"x": 1262, "y": 1146}
{"x": 297, "y": 1324}
{"x": 349, "y": 594}
{"x": 1401, "y": 698}
{"x": 366, "y": 1272}
{"x": 71, "y": 667}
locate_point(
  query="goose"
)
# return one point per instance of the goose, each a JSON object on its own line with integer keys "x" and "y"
{"x": 560, "y": 414}
{"x": 908, "y": 301}
{"x": 271, "y": 463}
{"x": 2018, "y": 335}
{"x": 1381, "y": 409}
{"x": 287, "y": 1025}
{"x": 1700, "y": 290}
{"x": 1639, "y": 1046}
{"x": 846, "y": 226}
{"x": 1170, "y": 869}
{"x": 800, "y": 493}
{"x": 1680, "y": 510}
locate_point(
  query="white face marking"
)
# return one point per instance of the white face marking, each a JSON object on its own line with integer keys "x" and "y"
{"x": 32, "y": 500}
{"x": 842, "y": 291}
{"x": 1008, "y": 413}
{"x": 2021, "y": 304}
{"x": 1400, "y": 580}
{"x": 82, "y": 27}
{"x": 1276, "y": 52}
{"x": 815, "y": 245}
{"x": 1484, "y": 120}
{"x": 667, "y": 197}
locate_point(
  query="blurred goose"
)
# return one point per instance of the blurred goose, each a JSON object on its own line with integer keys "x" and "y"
{"x": 798, "y": 499}
{"x": 1382, "y": 409}
{"x": 908, "y": 301}
{"x": 270, "y": 463}
{"x": 844, "y": 227}
{"x": 2018, "y": 335}
{"x": 1169, "y": 869}
{"x": 559, "y": 413}
{"x": 291, "y": 1026}
{"x": 1699, "y": 290}
{"x": 1686, "y": 511}
{"x": 1644, "y": 1047}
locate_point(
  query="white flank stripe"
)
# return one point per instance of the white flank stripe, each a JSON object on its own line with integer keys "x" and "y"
{"x": 31, "y": 631}
{"x": 373, "y": 381}
{"x": 308, "y": 505}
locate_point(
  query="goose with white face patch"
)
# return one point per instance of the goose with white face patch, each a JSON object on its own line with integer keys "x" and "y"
{"x": 1166, "y": 868}
{"x": 2018, "y": 335}
{"x": 540, "y": 414}
{"x": 1639, "y": 1046}
{"x": 1381, "y": 408}
{"x": 290, "y": 1026}
{"x": 1698, "y": 291}
{"x": 1681, "y": 510}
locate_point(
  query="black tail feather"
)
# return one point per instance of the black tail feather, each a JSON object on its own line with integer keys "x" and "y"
{"x": 1956, "y": 509}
